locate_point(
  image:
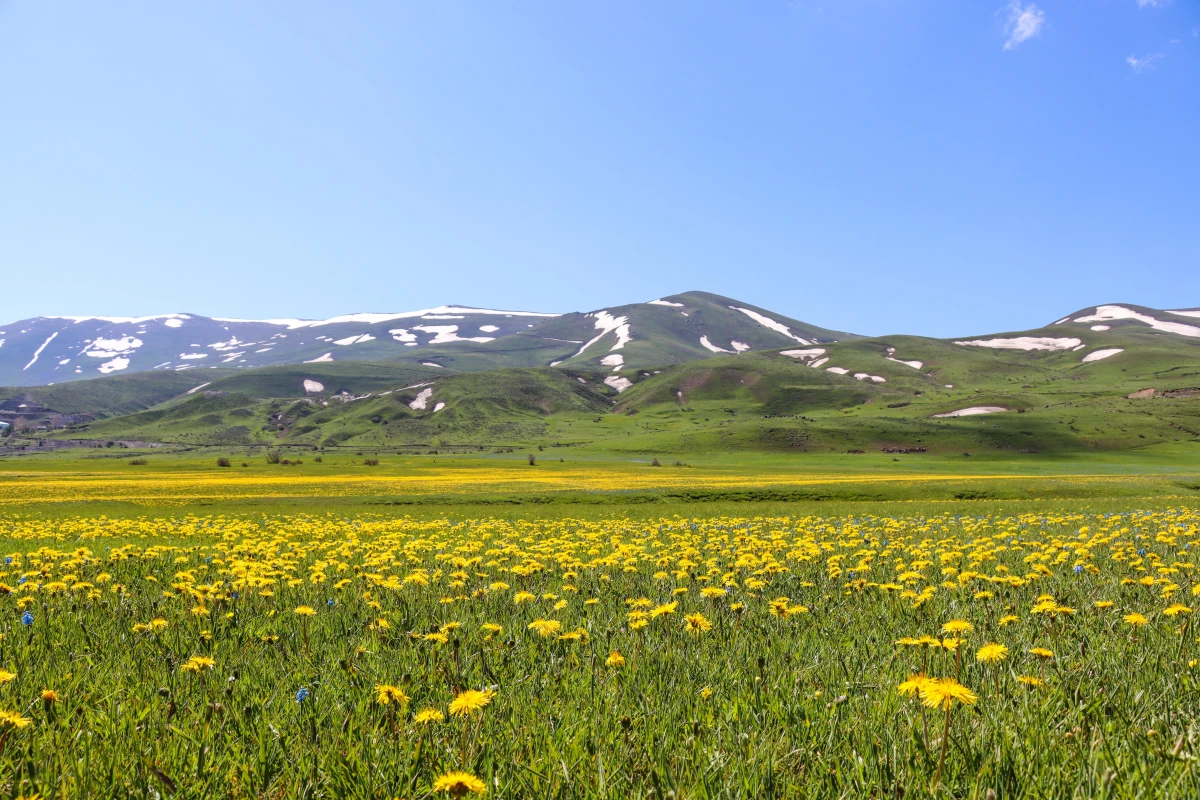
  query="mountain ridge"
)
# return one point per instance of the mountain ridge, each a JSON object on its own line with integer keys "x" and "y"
{"x": 53, "y": 349}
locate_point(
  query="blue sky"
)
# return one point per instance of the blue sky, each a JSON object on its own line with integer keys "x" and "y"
{"x": 940, "y": 167}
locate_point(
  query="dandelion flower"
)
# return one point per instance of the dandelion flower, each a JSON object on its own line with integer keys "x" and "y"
{"x": 1041, "y": 652}
{"x": 428, "y": 716}
{"x": 943, "y": 693}
{"x": 913, "y": 685}
{"x": 459, "y": 784}
{"x": 386, "y": 694}
{"x": 1031, "y": 680}
{"x": 957, "y": 626}
{"x": 6, "y": 676}
{"x": 13, "y": 719}
{"x": 991, "y": 653}
{"x": 196, "y": 664}
{"x": 305, "y": 611}
{"x": 696, "y": 624}
{"x": 545, "y": 627}
{"x": 468, "y": 702}
{"x": 1136, "y": 620}
{"x": 615, "y": 659}
{"x": 1175, "y": 610}
{"x": 664, "y": 609}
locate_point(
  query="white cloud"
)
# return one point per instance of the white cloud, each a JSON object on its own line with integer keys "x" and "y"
{"x": 1143, "y": 63}
{"x": 1024, "y": 22}
{"x": 1151, "y": 3}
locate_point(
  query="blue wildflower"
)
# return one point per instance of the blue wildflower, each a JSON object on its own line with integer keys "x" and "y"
{"x": 301, "y": 695}
{"x": 27, "y": 619}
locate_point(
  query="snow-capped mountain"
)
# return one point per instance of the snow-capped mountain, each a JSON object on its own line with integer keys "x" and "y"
{"x": 45, "y": 350}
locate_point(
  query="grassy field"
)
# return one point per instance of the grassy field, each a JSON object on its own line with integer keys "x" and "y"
{"x": 735, "y": 626}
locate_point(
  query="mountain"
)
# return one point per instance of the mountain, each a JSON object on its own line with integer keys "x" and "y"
{"x": 664, "y": 331}
{"x": 648, "y": 379}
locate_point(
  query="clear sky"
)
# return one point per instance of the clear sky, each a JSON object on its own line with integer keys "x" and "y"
{"x": 941, "y": 167}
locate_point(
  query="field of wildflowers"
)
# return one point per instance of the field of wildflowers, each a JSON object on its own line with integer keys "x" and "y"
{"x": 295, "y": 655}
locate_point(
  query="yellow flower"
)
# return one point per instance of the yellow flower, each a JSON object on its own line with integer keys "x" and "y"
{"x": 428, "y": 716}
{"x": 991, "y": 653}
{"x": 944, "y": 692}
{"x": 49, "y": 696}
{"x": 468, "y": 702}
{"x": 1102, "y": 604}
{"x": 706, "y": 693}
{"x": 6, "y": 676}
{"x": 1030, "y": 680}
{"x": 459, "y": 784}
{"x": 1136, "y": 620}
{"x": 1176, "y": 609}
{"x": 615, "y": 659}
{"x": 545, "y": 627}
{"x": 665, "y": 608}
{"x": 386, "y": 694}
{"x": 13, "y": 719}
{"x": 957, "y": 626}
{"x": 197, "y": 663}
{"x": 1042, "y": 652}
{"x": 523, "y": 597}
{"x": 913, "y": 685}
{"x": 305, "y": 611}
{"x": 697, "y": 624}
{"x": 1007, "y": 618}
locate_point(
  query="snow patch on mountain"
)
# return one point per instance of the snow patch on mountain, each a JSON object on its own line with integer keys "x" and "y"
{"x": 128, "y": 320}
{"x": 372, "y": 319}
{"x": 767, "y": 322}
{"x": 444, "y": 334}
{"x": 111, "y": 348}
{"x": 1025, "y": 343}
{"x": 114, "y": 365}
{"x": 664, "y": 303}
{"x": 1113, "y": 313}
{"x": 618, "y": 383}
{"x": 365, "y": 337}
{"x": 710, "y": 346}
{"x": 810, "y": 353}
{"x": 606, "y": 323}
{"x": 421, "y": 399}
{"x": 326, "y": 357}
{"x": 1096, "y": 355}
{"x": 972, "y": 411}
{"x": 38, "y": 352}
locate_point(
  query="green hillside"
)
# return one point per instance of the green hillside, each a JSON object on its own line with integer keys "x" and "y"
{"x": 114, "y": 395}
{"x": 1073, "y": 386}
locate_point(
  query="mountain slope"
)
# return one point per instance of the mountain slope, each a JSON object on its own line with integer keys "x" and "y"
{"x": 668, "y": 331}
{"x": 56, "y": 349}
